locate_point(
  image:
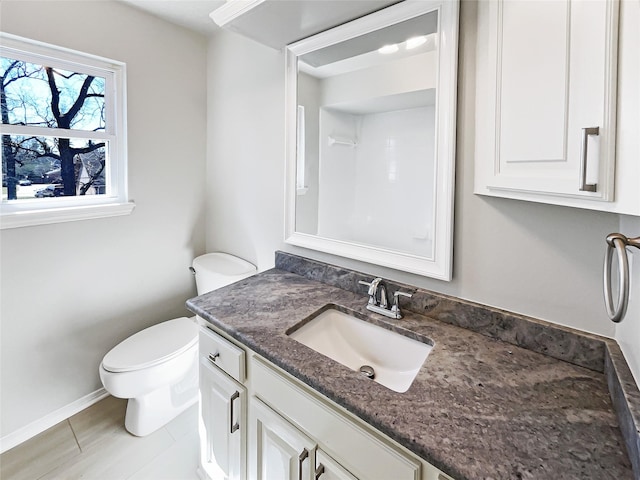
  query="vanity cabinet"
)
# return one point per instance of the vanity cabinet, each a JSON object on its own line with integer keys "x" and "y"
{"x": 278, "y": 449}
{"x": 328, "y": 469}
{"x": 223, "y": 407}
{"x": 260, "y": 423}
{"x": 356, "y": 450}
{"x": 282, "y": 451}
{"x": 546, "y": 77}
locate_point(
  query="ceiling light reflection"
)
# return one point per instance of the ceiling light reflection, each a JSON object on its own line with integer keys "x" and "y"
{"x": 415, "y": 42}
{"x": 387, "y": 49}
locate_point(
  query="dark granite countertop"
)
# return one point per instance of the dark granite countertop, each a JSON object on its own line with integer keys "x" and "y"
{"x": 479, "y": 408}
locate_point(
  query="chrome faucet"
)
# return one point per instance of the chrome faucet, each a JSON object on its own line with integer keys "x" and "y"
{"x": 383, "y": 297}
{"x": 379, "y": 299}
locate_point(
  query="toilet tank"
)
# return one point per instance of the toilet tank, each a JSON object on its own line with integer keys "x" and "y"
{"x": 216, "y": 270}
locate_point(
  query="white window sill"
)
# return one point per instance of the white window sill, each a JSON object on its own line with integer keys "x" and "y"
{"x": 67, "y": 214}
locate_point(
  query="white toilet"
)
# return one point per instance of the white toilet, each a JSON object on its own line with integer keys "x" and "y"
{"x": 157, "y": 368}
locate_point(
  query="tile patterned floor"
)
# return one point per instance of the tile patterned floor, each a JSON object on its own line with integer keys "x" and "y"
{"x": 93, "y": 445}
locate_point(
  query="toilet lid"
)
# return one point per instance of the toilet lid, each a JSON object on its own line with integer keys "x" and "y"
{"x": 152, "y": 346}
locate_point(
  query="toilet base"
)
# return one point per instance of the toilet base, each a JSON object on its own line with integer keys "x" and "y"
{"x": 148, "y": 413}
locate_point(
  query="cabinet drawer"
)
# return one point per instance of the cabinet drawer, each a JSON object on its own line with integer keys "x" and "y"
{"x": 222, "y": 353}
{"x": 362, "y": 452}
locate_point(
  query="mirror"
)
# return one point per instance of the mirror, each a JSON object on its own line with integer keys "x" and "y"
{"x": 371, "y": 138}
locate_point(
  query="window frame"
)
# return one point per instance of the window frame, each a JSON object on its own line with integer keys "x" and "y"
{"x": 20, "y": 213}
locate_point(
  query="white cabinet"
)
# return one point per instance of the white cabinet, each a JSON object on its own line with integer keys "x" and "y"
{"x": 278, "y": 449}
{"x": 546, "y": 74}
{"x": 259, "y": 423}
{"x": 352, "y": 449}
{"x": 328, "y": 469}
{"x": 223, "y": 403}
{"x": 223, "y": 410}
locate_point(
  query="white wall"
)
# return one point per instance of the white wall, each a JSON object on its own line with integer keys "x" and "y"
{"x": 245, "y": 148}
{"x": 377, "y": 192}
{"x": 394, "y": 196}
{"x": 535, "y": 259}
{"x": 337, "y": 173}
{"x": 71, "y": 291}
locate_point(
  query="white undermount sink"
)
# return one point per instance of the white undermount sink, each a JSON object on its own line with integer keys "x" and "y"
{"x": 355, "y": 343}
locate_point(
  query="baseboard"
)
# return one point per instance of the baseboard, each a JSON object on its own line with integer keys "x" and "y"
{"x": 34, "y": 428}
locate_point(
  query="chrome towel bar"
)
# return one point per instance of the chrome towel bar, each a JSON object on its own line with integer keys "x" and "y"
{"x": 619, "y": 243}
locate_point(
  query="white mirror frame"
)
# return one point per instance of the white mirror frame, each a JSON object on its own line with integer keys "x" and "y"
{"x": 440, "y": 266}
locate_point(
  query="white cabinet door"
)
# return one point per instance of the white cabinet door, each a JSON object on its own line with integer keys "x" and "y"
{"x": 223, "y": 414}
{"x": 546, "y": 100}
{"x": 361, "y": 450}
{"x": 328, "y": 469}
{"x": 278, "y": 450}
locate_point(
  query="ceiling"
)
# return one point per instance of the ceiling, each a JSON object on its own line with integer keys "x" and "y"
{"x": 273, "y": 22}
{"x": 192, "y": 14}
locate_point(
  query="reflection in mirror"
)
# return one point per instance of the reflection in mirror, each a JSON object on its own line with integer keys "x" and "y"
{"x": 370, "y": 140}
{"x": 366, "y": 131}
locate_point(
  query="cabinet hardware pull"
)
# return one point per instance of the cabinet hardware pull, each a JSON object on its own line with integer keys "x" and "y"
{"x": 234, "y": 426}
{"x": 584, "y": 186}
{"x": 214, "y": 357}
{"x": 619, "y": 243}
{"x": 319, "y": 471}
{"x": 303, "y": 456}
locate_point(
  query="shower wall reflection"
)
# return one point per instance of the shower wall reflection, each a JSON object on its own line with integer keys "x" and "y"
{"x": 366, "y": 144}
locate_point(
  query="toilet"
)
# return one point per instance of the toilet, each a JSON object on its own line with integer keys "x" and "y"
{"x": 157, "y": 368}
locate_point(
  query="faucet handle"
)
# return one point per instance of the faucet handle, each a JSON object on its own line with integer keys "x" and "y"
{"x": 373, "y": 288}
{"x": 399, "y": 293}
{"x": 373, "y": 285}
{"x": 396, "y": 305}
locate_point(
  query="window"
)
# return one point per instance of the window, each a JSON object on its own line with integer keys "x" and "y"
{"x": 63, "y": 134}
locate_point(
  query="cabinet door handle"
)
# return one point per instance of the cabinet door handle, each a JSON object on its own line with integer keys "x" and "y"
{"x": 301, "y": 458}
{"x": 234, "y": 426}
{"x": 214, "y": 357}
{"x": 319, "y": 471}
{"x": 584, "y": 186}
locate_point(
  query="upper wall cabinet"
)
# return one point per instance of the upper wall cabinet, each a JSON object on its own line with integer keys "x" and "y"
{"x": 277, "y": 23}
{"x": 546, "y": 105}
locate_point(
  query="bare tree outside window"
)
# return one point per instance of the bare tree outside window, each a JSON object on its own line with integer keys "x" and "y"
{"x": 67, "y": 163}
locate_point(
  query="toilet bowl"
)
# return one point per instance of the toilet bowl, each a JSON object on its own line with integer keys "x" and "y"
{"x": 157, "y": 368}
